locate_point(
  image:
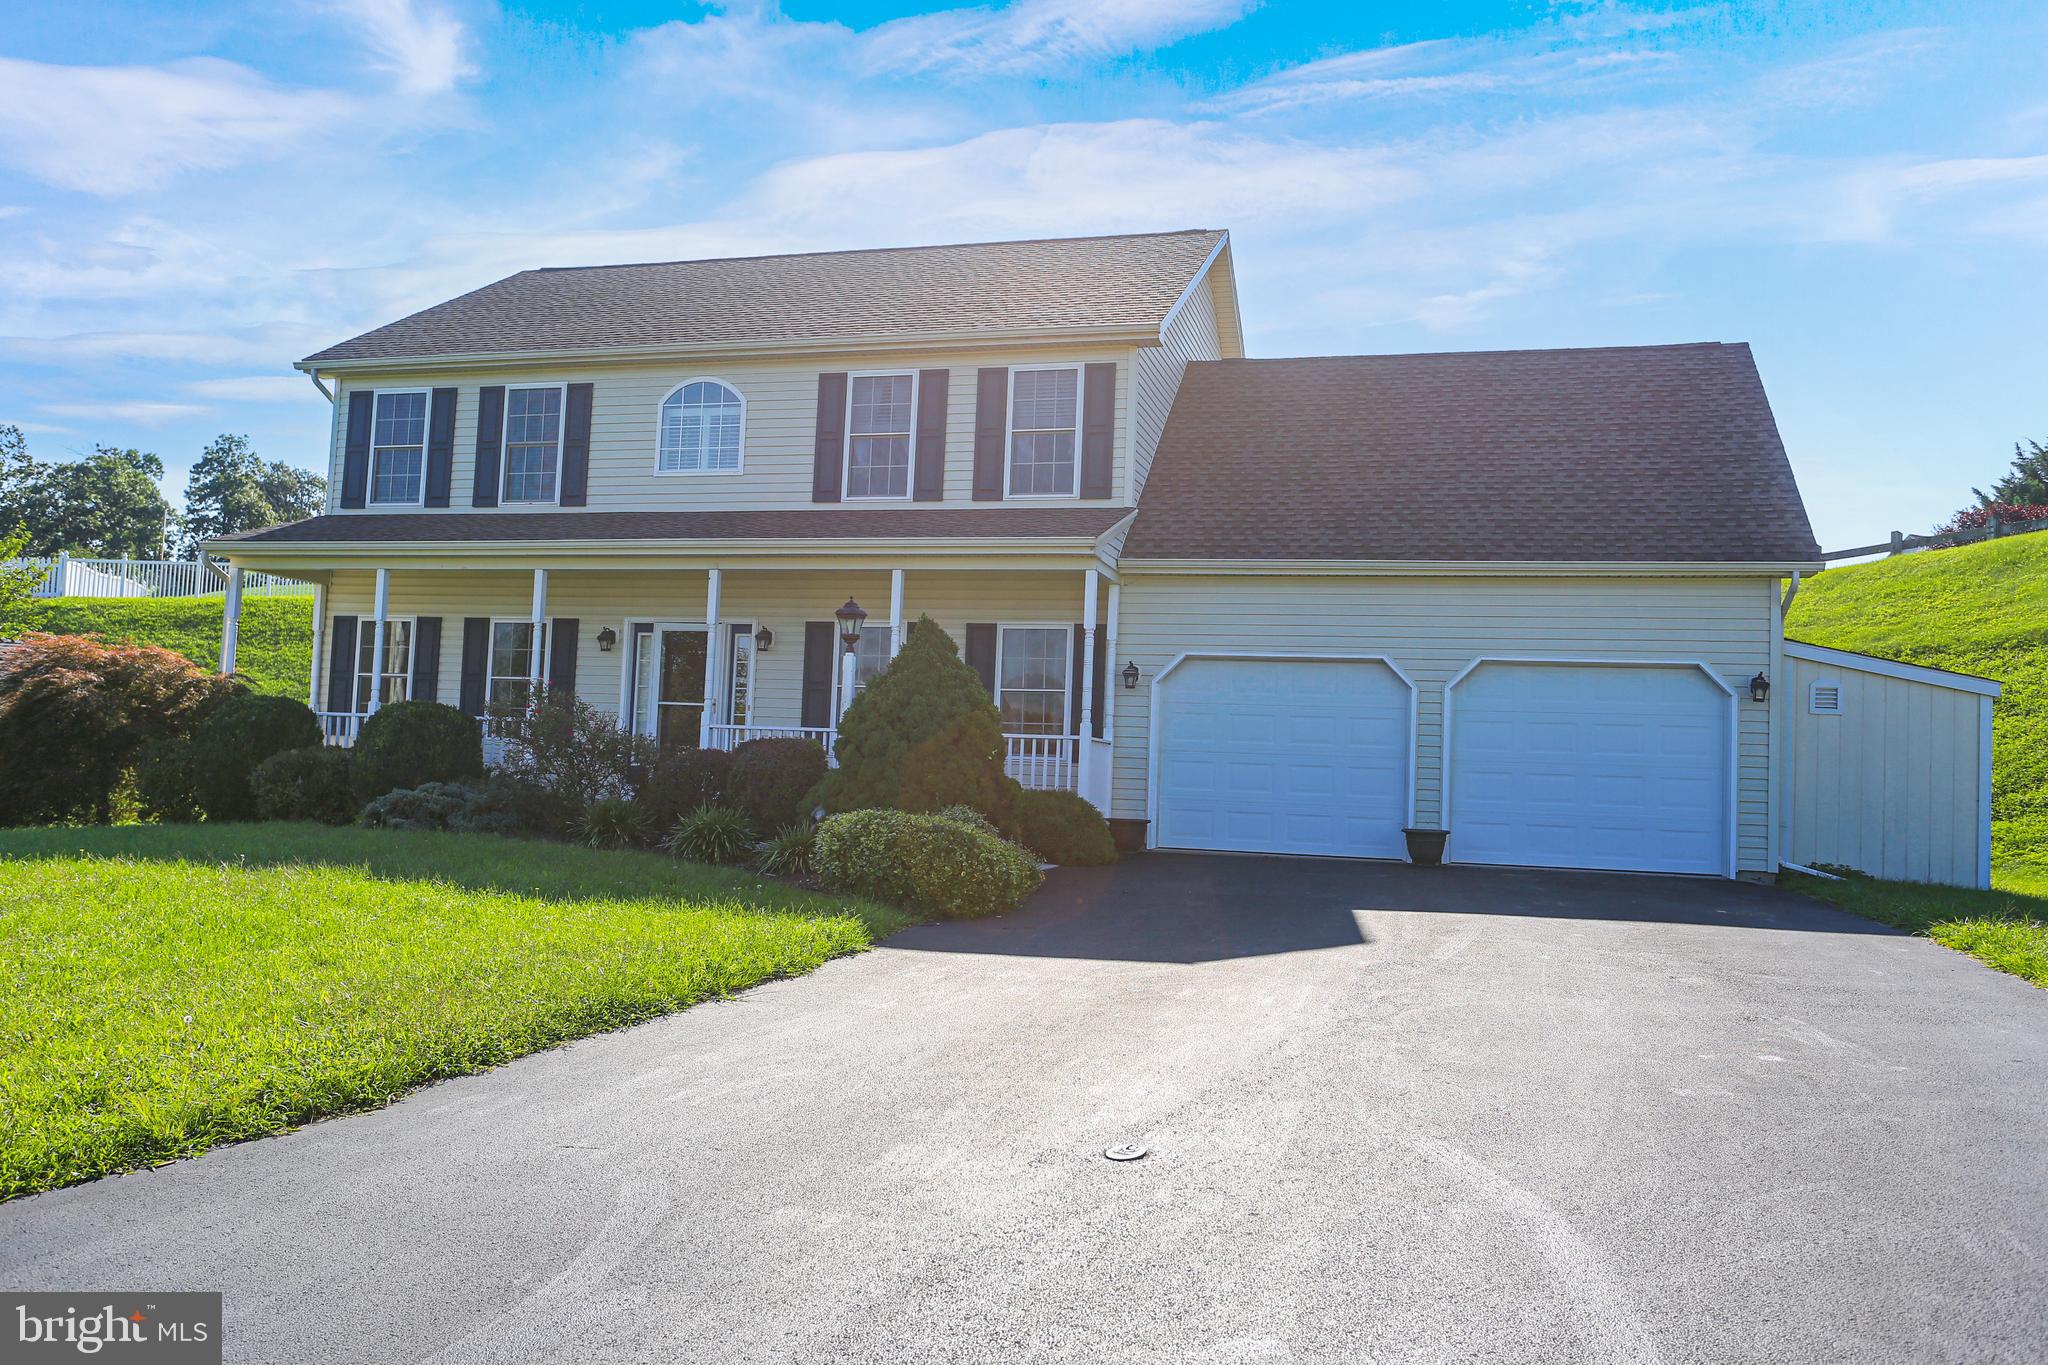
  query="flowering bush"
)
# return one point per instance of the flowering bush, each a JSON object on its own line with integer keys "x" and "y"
{"x": 1977, "y": 518}
{"x": 926, "y": 863}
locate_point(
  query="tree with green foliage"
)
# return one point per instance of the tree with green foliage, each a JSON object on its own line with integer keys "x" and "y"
{"x": 105, "y": 504}
{"x": 2027, "y": 483}
{"x": 923, "y": 736}
{"x": 232, "y": 488}
{"x": 16, "y": 585}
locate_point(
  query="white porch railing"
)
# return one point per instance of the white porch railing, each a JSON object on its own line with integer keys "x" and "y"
{"x": 730, "y": 737}
{"x": 1040, "y": 762}
{"x": 68, "y": 577}
{"x": 338, "y": 728}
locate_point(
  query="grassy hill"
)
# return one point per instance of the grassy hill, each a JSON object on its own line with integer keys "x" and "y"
{"x": 275, "y": 653}
{"x": 1977, "y": 609}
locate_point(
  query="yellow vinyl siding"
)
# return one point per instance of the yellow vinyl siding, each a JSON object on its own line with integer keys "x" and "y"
{"x": 779, "y": 437}
{"x": 1156, "y": 374}
{"x": 1431, "y": 628}
{"x": 1893, "y": 784}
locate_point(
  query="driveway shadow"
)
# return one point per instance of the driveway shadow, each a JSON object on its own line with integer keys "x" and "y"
{"x": 1198, "y": 907}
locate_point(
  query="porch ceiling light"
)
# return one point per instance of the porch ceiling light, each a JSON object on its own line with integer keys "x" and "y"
{"x": 606, "y": 638}
{"x": 764, "y": 638}
{"x": 1759, "y": 688}
{"x": 1130, "y": 676}
{"x": 851, "y": 619}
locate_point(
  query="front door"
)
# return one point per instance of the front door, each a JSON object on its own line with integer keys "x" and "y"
{"x": 669, "y": 685}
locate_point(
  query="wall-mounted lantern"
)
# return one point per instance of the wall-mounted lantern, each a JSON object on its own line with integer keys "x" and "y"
{"x": 1759, "y": 688}
{"x": 763, "y": 639}
{"x": 1130, "y": 676}
{"x": 606, "y": 638}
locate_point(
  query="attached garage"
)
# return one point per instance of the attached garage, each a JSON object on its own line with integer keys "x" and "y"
{"x": 1620, "y": 766}
{"x": 1283, "y": 755}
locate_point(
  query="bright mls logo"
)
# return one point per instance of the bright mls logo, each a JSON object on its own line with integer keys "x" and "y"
{"x": 164, "y": 1329}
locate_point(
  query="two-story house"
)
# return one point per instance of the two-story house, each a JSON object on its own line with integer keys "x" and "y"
{"x": 1291, "y": 605}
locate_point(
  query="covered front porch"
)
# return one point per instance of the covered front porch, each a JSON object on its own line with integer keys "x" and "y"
{"x": 716, "y": 655}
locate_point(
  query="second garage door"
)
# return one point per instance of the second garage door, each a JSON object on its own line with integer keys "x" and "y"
{"x": 1283, "y": 756}
{"x": 1623, "y": 767}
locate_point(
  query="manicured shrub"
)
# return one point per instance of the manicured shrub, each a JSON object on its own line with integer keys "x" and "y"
{"x": 408, "y": 744}
{"x": 460, "y": 807}
{"x": 305, "y": 784}
{"x": 968, "y": 815}
{"x": 790, "y": 852}
{"x": 613, "y": 822}
{"x": 1062, "y": 828}
{"x": 925, "y": 863}
{"x": 75, "y": 712}
{"x": 165, "y": 790}
{"x": 923, "y": 736}
{"x": 517, "y": 806}
{"x": 772, "y": 780}
{"x": 680, "y": 781}
{"x": 711, "y": 834}
{"x": 234, "y": 738}
{"x": 568, "y": 748}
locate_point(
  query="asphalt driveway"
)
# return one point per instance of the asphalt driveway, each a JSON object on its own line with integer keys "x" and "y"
{"x": 1393, "y": 1114}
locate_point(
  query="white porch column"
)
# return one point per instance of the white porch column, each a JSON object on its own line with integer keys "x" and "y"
{"x": 1111, "y": 683}
{"x": 536, "y": 664}
{"x": 231, "y": 618}
{"x": 848, "y": 672}
{"x": 313, "y": 697}
{"x": 377, "y": 650}
{"x": 1091, "y": 579}
{"x": 895, "y": 612}
{"x": 713, "y": 652}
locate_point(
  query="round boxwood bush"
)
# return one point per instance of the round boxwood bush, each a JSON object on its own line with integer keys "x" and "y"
{"x": 1062, "y": 828}
{"x": 772, "y": 780}
{"x": 679, "y": 782}
{"x": 409, "y": 744}
{"x": 305, "y": 784}
{"x": 925, "y": 863}
{"x": 459, "y": 807}
{"x": 164, "y": 785}
{"x": 234, "y": 738}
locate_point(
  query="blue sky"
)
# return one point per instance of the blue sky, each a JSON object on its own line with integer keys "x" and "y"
{"x": 192, "y": 196}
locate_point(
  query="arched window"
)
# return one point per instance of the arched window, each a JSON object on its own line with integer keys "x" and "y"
{"x": 701, "y": 425}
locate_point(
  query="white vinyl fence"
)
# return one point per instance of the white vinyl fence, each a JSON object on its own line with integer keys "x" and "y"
{"x": 68, "y": 577}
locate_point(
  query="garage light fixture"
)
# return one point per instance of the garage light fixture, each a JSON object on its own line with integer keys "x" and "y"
{"x": 1130, "y": 676}
{"x": 1759, "y": 688}
{"x": 764, "y": 639}
{"x": 606, "y": 638}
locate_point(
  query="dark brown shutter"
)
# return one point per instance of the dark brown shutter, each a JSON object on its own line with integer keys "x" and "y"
{"x": 1098, "y": 428}
{"x": 355, "y": 451}
{"x": 929, "y": 481}
{"x": 476, "y": 659}
{"x": 441, "y": 448}
{"x": 991, "y": 422}
{"x": 981, "y": 653}
{"x": 820, "y": 642}
{"x": 828, "y": 452}
{"x": 426, "y": 658}
{"x": 490, "y": 445}
{"x": 341, "y": 665}
{"x": 576, "y": 447}
{"x": 1101, "y": 674}
{"x": 562, "y": 638}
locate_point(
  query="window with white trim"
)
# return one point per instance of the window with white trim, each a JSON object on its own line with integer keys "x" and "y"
{"x": 533, "y": 443}
{"x": 879, "y": 416}
{"x": 870, "y": 657}
{"x": 739, "y": 678}
{"x": 397, "y": 662}
{"x": 511, "y": 667}
{"x": 398, "y": 446}
{"x": 1045, "y": 408}
{"x": 1032, "y": 678}
{"x": 701, "y": 426}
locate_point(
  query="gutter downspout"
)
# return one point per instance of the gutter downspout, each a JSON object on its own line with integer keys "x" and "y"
{"x": 1791, "y": 591}
{"x": 314, "y": 375}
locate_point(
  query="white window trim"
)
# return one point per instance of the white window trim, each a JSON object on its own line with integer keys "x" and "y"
{"x": 1067, "y": 719}
{"x": 846, "y": 440}
{"x": 839, "y": 703}
{"x": 1010, "y": 423}
{"x": 366, "y": 630}
{"x": 729, "y": 387}
{"x": 547, "y": 649}
{"x": 735, "y": 631}
{"x": 505, "y": 448}
{"x": 370, "y": 498}
{"x": 629, "y": 695}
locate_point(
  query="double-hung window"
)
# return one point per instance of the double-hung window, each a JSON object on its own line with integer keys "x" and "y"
{"x": 701, "y": 425}
{"x": 533, "y": 443}
{"x": 879, "y": 419}
{"x": 1032, "y": 679}
{"x": 396, "y": 681}
{"x": 398, "y": 446}
{"x": 1045, "y": 408}
{"x": 870, "y": 657}
{"x": 512, "y": 658}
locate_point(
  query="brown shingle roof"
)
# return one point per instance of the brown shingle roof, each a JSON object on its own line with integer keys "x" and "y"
{"x": 1071, "y": 282}
{"x": 852, "y": 523}
{"x": 1620, "y": 454}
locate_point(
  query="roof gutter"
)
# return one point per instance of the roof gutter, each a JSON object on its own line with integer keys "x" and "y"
{"x": 330, "y": 395}
{"x": 1531, "y": 568}
{"x": 388, "y": 552}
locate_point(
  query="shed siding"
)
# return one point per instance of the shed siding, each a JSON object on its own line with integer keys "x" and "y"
{"x": 1433, "y": 627}
{"x": 1893, "y": 785}
{"x": 777, "y": 444}
{"x": 1156, "y": 374}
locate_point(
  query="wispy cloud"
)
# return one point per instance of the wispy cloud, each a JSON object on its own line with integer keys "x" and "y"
{"x": 257, "y": 388}
{"x": 1038, "y": 36}
{"x": 424, "y": 48}
{"x": 140, "y": 413}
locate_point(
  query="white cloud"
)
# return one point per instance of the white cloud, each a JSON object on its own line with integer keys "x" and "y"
{"x": 112, "y": 130}
{"x": 194, "y": 347}
{"x": 1039, "y": 35}
{"x": 257, "y": 388}
{"x": 425, "y": 49}
{"x": 142, "y": 414}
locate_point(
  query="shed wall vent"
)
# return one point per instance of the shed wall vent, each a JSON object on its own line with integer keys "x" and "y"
{"x": 1824, "y": 698}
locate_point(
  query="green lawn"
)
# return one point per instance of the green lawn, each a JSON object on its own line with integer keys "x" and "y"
{"x": 2003, "y": 927}
{"x": 275, "y": 652}
{"x": 167, "y": 988}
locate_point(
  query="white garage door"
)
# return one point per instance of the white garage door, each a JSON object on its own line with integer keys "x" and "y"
{"x": 1570, "y": 765}
{"x": 1283, "y": 756}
